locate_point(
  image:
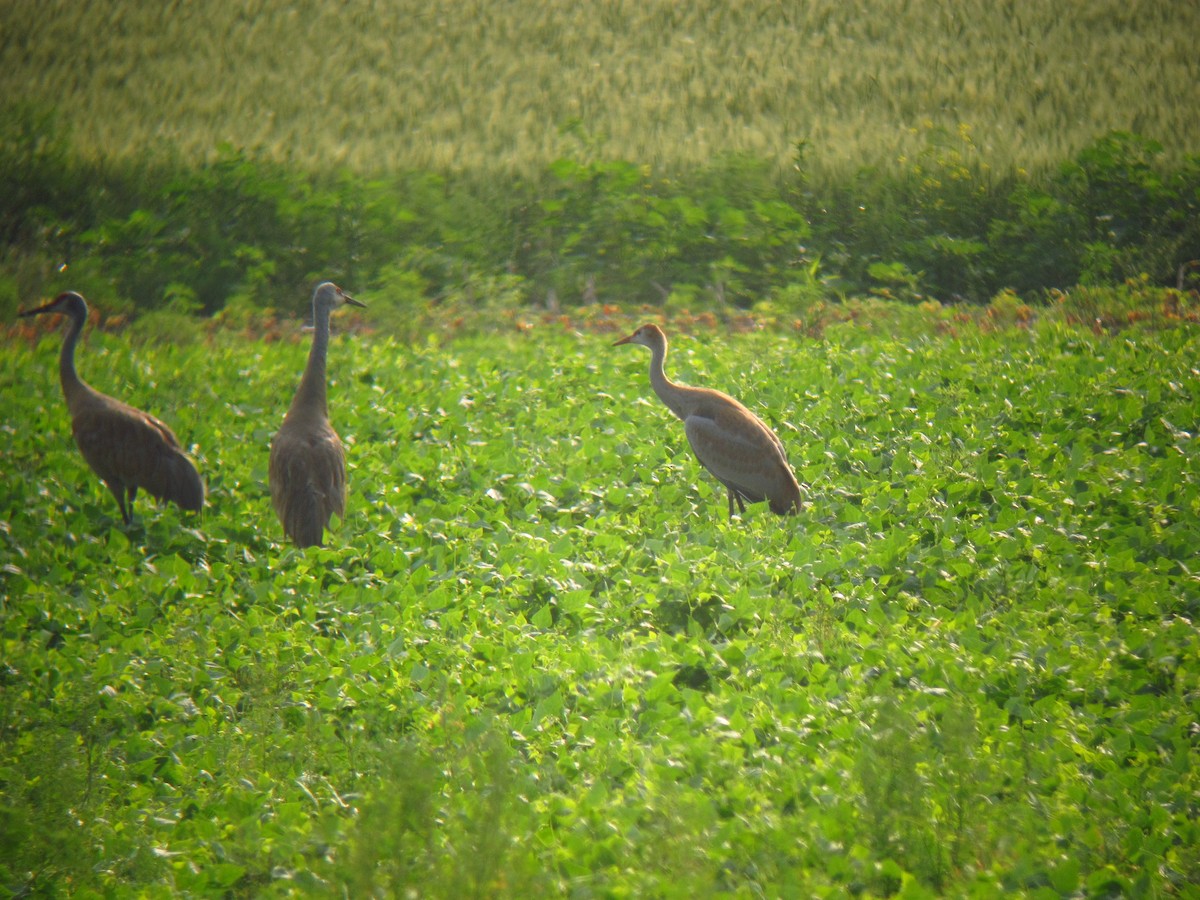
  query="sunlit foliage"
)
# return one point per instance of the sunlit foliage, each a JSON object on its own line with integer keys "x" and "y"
{"x": 537, "y": 660}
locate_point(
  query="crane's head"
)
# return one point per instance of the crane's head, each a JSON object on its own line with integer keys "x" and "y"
{"x": 330, "y": 295}
{"x": 649, "y": 335}
{"x": 68, "y": 303}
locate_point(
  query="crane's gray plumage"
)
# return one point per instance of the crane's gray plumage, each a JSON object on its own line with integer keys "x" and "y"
{"x": 731, "y": 442}
{"x": 308, "y": 465}
{"x": 127, "y": 448}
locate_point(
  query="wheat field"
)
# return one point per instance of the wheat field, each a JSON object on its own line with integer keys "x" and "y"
{"x": 494, "y": 86}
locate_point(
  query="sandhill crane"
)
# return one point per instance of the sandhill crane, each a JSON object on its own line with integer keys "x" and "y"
{"x": 127, "y": 448}
{"x": 308, "y": 465}
{"x": 729, "y": 440}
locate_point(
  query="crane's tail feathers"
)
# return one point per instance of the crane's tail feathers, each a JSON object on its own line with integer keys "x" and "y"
{"x": 306, "y": 517}
{"x": 305, "y": 525}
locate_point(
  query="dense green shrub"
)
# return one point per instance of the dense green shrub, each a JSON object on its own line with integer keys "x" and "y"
{"x": 1107, "y": 215}
{"x": 733, "y": 234}
{"x": 39, "y": 185}
{"x": 615, "y": 232}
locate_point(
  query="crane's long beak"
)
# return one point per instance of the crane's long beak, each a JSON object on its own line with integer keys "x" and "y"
{"x": 624, "y": 340}
{"x": 353, "y": 302}
{"x": 41, "y": 309}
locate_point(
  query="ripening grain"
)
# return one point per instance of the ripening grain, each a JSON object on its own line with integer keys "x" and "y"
{"x": 497, "y": 87}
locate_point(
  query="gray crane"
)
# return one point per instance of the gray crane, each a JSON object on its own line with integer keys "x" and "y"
{"x": 127, "y": 448}
{"x": 731, "y": 442}
{"x": 308, "y": 466}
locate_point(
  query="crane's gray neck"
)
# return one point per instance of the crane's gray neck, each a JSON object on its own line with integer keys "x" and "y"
{"x": 71, "y": 382}
{"x": 311, "y": 393}
{"x": 667, "y": 390}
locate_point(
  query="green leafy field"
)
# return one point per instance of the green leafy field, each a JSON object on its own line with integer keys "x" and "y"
{"x": 538, "y": 660}
{"x": 201, "y": 156}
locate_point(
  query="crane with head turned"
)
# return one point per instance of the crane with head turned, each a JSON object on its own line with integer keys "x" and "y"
{"x": 308, "y": 465}
{"x": 129, "y": 449}
{"x": 731, "y": 442}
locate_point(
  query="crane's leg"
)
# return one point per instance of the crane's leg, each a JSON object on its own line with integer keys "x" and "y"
{"x": 734, "y": 495}
{"x": 118, "y": 491}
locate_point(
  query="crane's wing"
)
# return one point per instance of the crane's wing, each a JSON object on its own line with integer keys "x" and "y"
{"x": 742, "y": 453}
{"x": 126, "y": 446}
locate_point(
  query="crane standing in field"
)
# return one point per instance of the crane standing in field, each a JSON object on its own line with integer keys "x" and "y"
{"x": 308, "y": 466}
{"x": 729, "y": 440}
{"x": 127, "y": 448}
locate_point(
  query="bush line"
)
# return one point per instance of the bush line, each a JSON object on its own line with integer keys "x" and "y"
{"x": 241, "y": 231}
